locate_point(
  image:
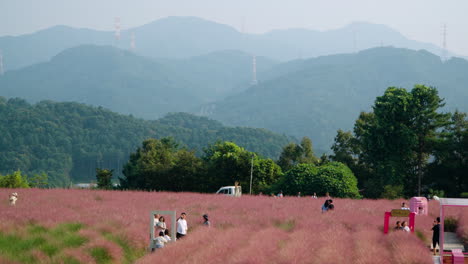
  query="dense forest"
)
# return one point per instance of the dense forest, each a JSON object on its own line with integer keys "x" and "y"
{"x": 68, "y": 141}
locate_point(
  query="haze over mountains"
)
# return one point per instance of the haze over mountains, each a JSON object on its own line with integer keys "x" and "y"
{"x": 316, "y": 97}
{"x": 184, "y": 37}
{"x": 131, "y": 84}
{"x": 186, "y": 64}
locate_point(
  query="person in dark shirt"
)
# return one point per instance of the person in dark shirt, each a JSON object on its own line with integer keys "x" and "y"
{"x": 435, "y": 234}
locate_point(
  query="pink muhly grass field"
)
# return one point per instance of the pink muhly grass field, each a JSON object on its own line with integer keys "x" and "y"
{"x": 250, "y": 229}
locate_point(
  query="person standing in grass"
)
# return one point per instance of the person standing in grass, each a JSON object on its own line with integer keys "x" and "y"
{"x": 182, "y": 226}
{"x": 314, "y": 196}
{"x": 161, "y": 225}
{"x": 435, "y": 233}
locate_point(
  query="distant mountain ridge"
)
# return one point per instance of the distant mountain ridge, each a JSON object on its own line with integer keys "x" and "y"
{"x": 131, "y": 84}
{"x": 316, "y": 97}
{"x": 184, "y": 37}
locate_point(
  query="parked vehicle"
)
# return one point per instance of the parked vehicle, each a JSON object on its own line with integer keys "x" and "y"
{"x": 235, "y": 191}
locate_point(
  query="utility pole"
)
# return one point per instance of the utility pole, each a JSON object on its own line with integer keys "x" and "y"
{"x": 132, "y": 42}
{"x": 251, "y": 174}
{"x": 117, "y": 30}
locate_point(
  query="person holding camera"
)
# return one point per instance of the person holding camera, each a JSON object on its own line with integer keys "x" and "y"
{"x": 435, "y": 233}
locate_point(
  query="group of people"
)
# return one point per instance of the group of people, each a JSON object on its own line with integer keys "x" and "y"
{"x": 402, "y": 226}
{"x": 181, "y": 227}
{"x": 280, "y": 195}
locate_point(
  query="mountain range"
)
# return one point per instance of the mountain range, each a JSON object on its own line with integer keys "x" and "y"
{"x": 313, "y": 97}
{"x": 316, "y": 97}
{"x": 185, "y": 37}
{"x": 131, "y": 84}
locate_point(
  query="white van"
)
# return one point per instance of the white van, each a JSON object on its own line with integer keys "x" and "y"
{"x": 235, "y": 191}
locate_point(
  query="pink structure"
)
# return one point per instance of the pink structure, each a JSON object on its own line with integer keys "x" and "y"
{"x": 419, "y": 206}
{"x": 389, "y": 214}
{"x": 448, "y": 202}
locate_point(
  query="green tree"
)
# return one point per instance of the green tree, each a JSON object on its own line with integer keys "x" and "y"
{"x": 39, "y": 180}
{"x": 293, "y": 154}
{"x": 394, "y": 141}
{"x": 227, "y": 163}
{"x": 149, "y": 166}
{"x": 104, "y": 178}
{"x": 14, "y": 180}
{"x": 451, "y": 157}
{"x": 425, "y": 123}
{"x": 333, "y": 177}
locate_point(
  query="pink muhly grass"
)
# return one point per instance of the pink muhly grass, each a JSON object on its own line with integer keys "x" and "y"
{"x": 79, "y": 254}
{"x": 114, "y": 250}
{"x": 251, "y": 229}
{"x": 406, "y": 249}
{"x": 261, "y": 246}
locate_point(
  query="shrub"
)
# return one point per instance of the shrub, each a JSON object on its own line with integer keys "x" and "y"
{"x": 14, "y": 180}
{"x": 334, "y": 177}
{"x": 450, "y": 224}
{"x": 392, "y": 192}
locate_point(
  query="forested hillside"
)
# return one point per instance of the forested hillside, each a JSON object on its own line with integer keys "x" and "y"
{"x": 69, "y": 140}
{"x": 130, "y": 84}
{"x": 317, "y": 97}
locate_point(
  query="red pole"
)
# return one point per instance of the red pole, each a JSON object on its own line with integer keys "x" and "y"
{"x": 411, "y": 222}
{"x": 386, "y": 220}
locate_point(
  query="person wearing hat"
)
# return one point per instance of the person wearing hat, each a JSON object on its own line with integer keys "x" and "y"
{"x": 206, "y": 221}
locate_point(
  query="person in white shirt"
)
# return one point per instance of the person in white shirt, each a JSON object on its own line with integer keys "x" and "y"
{"x": 314, "y": 196}
{"x": 166, "y": 235}
{"x": 403, "y": 206}
{"x": 181, "y": 226}
{"x": 160, "y": 241}
{"x": 161, "y": 225}
{"x": 405, "y": 226}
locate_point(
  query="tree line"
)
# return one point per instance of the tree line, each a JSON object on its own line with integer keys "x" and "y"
{"x": 406, "y": 146}
{"x": 162, "y": 165}
{"x": 68, "y": 141}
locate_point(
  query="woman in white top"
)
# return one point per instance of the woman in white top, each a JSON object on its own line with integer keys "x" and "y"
{"x": 161, "y": 225}
{"x": 160, "y": 240}
{"x": 405, "y": 226}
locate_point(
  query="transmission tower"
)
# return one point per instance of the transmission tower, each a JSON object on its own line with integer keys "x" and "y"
{"x": 132, "y": 42}
{"x": 254, "y": 70}
{"x": 444, "y": 55}
{"x": 1, "y": 63}
{"x": 117, "y": 29}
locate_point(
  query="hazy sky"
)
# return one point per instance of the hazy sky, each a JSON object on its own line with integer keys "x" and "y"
{"x": 417, "y": 19}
